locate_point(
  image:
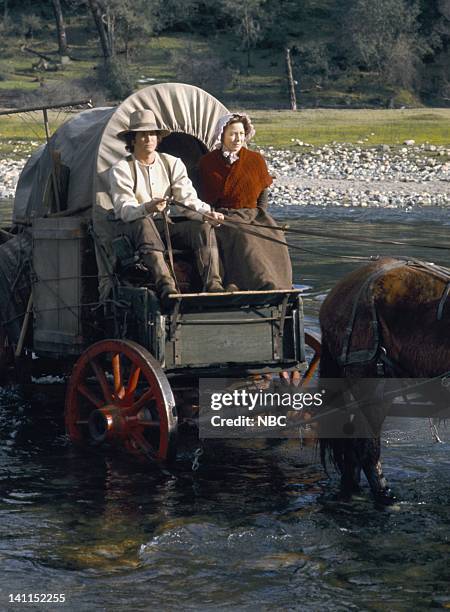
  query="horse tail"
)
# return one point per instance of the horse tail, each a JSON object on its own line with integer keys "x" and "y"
{"x": 331, "y": 449}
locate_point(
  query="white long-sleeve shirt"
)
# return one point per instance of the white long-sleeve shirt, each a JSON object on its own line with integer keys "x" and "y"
{"x": 161, "y": 179}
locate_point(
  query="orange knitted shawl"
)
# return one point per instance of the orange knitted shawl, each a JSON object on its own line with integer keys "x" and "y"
{"x": 235, "y": 186}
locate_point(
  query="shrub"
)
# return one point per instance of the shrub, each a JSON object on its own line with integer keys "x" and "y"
{"x": 56, "y": 92}
{"x": 404, "y": 97}
{"x": 30, "y": 25}
{"x": 205, "y": 70}
{"x": 312, "y": 61}
{"x": 114, "y": 76}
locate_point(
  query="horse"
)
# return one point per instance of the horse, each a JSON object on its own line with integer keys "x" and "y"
{"x": 387, "y": 319}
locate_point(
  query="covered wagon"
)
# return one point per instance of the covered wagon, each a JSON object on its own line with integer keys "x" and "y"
{"x": 70, "y": 297}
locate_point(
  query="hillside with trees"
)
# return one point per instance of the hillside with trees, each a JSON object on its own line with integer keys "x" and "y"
{"x": 343, "y": 53}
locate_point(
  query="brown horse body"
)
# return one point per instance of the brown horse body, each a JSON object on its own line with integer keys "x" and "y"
{"x": 388, "y": 318}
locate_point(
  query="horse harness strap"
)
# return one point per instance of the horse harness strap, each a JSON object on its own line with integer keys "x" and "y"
{"x": 386, "y": 365}
{"x": 442, "y": 274}
{"x": 362, "y": 356}
{"x": 444, "y": 297}
{"x": 438, "y": 271}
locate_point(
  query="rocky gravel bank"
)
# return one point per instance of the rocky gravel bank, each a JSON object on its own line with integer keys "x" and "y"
{"x": 345, "y": 175}
{"x": 338, "y": 175}
{"x": 9, "y": 175}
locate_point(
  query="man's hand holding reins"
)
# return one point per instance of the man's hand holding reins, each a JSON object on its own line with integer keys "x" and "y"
{"x": 213, "y": 217}
{"x": 155, "y": 205}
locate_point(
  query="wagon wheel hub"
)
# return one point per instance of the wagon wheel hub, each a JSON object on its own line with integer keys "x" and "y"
{"x": 114, "y": 423}
{"x": 106, "y": 423}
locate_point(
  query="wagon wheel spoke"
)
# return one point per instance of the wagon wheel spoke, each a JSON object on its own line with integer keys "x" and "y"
{"x": 137, "y": 438}
{"x": 314, "y": 343}
{"x": 132, "y": 382}
{"x": 101, "y": 378}
{"x": 81, "y": 388}
{"x": 119, "y": 389}
{"x": 144, "y": 399}
{"x": 150, "y": 424}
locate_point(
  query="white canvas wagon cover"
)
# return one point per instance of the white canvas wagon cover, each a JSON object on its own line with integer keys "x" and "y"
{"x": 87, "y": 146}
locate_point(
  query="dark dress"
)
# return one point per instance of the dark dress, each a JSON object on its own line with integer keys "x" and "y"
{"x": 250, "y": 261}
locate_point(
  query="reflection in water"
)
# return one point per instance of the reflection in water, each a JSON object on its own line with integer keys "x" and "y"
{"x": 257, "y": 525}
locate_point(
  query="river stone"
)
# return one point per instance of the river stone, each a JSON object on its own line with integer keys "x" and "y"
{"x": 342, "y": 175}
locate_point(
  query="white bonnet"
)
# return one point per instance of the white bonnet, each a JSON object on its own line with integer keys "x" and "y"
{"x": 222, "y": 124}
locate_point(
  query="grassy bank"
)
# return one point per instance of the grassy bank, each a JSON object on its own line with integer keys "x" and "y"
{"x": 20, "y": 134}
{"x": 371, "y": 127}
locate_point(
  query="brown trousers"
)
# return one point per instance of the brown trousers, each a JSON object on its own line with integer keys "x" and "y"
{"x": 147, "y": 235}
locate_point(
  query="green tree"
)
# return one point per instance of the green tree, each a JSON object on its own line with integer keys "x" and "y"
{"x": 134, "y": 23}
{"x": 105, "y": 23}
{"x": 383, "y": 36}
{"x": 435, "y": 25}
{"x": 122, "y": 23}
{"x": 208, "y": 71}
{"x": 247, "y": 19}
{"x": 60, "y": 30}
{"x": 178, "y": 15}
{"x": 31, "y": 24}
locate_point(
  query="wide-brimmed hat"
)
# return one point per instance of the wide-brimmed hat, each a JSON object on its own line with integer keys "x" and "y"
{"x": 143, "y": 121}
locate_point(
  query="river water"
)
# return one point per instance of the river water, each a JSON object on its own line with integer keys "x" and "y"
{"x": 259, "y": 525}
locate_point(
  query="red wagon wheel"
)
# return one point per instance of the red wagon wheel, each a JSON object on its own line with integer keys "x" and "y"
{"x": 302, "y": 379}
{"x": 118, "y": 393}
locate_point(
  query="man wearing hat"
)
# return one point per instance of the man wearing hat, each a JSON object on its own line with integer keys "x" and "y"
{"x": 140, "y": 186}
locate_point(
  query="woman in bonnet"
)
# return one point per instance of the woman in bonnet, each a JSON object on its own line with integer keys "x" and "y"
{"x": 235, "y": 182}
